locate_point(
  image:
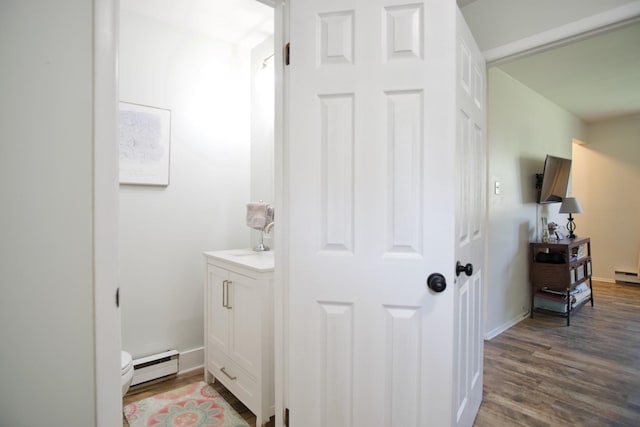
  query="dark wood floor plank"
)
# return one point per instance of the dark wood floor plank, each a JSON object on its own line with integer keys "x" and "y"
{"x": 541, "y": 372}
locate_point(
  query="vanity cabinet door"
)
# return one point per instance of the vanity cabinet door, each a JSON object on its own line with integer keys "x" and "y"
{"x": 244, "y": 309}
{"x": 218, "y": 314}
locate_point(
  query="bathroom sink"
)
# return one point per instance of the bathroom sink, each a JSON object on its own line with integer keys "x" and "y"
{"x": 258, "y": 261}
{"x": 246, "y": 252}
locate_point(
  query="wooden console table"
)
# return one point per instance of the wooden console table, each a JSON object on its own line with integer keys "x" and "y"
{"x": 560, "y": 266}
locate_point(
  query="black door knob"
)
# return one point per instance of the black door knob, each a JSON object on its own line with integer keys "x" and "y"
{"x": 467, "y": 269}
{"x": 436, "y": 282}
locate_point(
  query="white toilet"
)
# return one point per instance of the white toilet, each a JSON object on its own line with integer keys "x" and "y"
{"x": 126, "y": 372}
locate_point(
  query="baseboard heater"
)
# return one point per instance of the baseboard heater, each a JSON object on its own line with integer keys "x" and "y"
{"x": 626, "y": 277}
{"x": 155, "y": 366}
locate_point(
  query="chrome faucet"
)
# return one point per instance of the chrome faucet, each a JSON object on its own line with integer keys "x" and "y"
{"x": 261, "y": 247}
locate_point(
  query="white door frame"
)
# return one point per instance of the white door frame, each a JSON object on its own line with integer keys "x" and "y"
{"x": 107, "y": 341}
{"x": 281, "y": 255}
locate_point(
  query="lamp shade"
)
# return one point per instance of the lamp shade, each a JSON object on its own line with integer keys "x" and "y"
{"x": 570, "y": 205}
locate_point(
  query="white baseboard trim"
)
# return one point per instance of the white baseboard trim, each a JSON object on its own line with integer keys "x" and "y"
{"x": 500, "y": 329}
{"x": 191, "y": 360}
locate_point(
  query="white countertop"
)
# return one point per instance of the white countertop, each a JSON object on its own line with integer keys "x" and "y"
{"x": 248, "y": 258}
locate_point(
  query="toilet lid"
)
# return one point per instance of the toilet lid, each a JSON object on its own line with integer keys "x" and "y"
{"x": 125, "y": 361}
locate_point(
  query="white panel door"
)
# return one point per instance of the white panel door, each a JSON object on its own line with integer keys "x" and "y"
{"x": 371, "y": 188}
{"x": 470, "y": 215}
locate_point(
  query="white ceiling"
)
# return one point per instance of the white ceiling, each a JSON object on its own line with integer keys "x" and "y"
{"x": 243, "y": 22}
{"x": 594, "y": 79}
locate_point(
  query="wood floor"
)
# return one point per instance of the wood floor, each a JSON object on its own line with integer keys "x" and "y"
{"x": 542, "y": 372}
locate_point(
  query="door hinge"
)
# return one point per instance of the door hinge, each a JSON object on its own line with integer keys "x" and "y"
{"x": 118, "y": 297}
{"x": 286, "y": 417}
{"x": 287, "y": 54}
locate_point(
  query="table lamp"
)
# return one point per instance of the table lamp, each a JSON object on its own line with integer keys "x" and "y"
{"x": 570, "y": 205}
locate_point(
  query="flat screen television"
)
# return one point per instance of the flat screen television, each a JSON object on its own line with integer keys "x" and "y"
{"x": 552, "y": 184}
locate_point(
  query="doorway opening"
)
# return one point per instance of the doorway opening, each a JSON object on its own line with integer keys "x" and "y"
{"x": 210, "y": 65}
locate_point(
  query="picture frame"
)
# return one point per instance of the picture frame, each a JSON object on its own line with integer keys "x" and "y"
{"x": 144, "y": 141}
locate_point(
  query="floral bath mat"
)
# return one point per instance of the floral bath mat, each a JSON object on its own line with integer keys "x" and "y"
{"x": 194, "y": 405}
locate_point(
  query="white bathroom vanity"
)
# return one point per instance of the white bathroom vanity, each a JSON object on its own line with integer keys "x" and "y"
{"x": 238, "y": 327}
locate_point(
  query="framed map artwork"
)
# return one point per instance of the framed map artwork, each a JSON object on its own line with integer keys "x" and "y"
{"x": 144, "y": 137}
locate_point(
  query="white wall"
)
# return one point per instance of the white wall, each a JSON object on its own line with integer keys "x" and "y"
{"x": 46, "y": 192}
{"x": 262, "y": 128}
{"x": 164, "y": 230}
{"x": 606, "y": 181}
{"x": 523, "y": 127}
